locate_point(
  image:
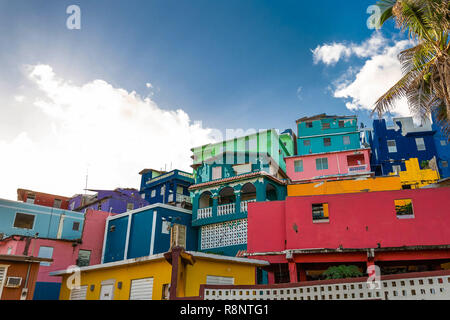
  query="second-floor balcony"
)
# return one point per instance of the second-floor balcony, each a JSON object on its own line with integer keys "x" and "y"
{"x": 179, "y": 198}
{"x": 358, "y": 168}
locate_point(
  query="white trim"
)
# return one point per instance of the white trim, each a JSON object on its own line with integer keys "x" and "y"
{"x": 152, "y": 241}
{"x": 226, "y": 258}
{"x": 104, "y": 240}
{"x": 2, "y": 284}
{"x": 155, "y": 205}
{"x": 127, "y": 237}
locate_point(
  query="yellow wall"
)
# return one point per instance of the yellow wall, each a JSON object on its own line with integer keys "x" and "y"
{"x": 243, "y": 274}
{"x": 415, "y": 177}
{"x": 160, "y": 270}
{"x": 345, "y": 186}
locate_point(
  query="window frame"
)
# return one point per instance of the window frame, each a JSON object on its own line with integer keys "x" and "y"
{"x": 27, "y": 214}
{"x": 404, "y": 216}
{"x": 306, "y": 143}
{"x": 394, "y": 146}
{"x": 295, "y": 166}
{"x": 45, "y": 263}
{"x": 422, "y": 145}
{"x": 343, "y": 140}
{"x": 89, "y": 260}
{"x": 321, "y": 160}
{"x": 73, "y": 226}
{"x": 214, "y": 171}
{"x": 327, "y": 142}
{"x": 325, "y": 213}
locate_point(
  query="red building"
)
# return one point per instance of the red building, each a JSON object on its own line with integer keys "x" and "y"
{"x": 43, "y": 199}
{"x": 399, "y": 231}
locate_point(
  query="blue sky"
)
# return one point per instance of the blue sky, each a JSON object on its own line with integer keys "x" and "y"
{"x": 230, "y": 64}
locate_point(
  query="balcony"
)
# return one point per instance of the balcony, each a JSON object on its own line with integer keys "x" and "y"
{"x": 244, "y": 205}
{"x": 179, "y": 198}
{"x": 204, "y": 213}
{"x": 358, "y": 168}
{"x": 226, "y": 209}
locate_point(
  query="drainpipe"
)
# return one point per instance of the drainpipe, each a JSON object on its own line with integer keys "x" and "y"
{"x": 25, "y": 287}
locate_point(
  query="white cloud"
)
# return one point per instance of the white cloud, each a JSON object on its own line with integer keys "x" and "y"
{"x": 362, "y": 87}
{"x": 109, "y": 131}
{"x": 330, "y": 54}
{"x": 19, "y": 98}
{"x": 149, "y": 85}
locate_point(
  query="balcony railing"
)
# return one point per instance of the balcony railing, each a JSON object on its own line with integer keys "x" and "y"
{"x": 179, "y": 198}
{"x": 432, "y": 285}
{"x": 225, "y": 209}
{"x": 358, "y": 168}
{"x": 204, "y": 213}
{"x": 244, "y": 205}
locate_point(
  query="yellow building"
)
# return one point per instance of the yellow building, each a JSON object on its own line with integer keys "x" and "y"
{"x": 416, "y": 177}
{"x": 172, "y": 275}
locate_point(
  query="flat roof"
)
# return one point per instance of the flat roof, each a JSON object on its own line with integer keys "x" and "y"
{"x": 155, "y": 205}
{"x": 160, "y": 256}
{"x": 18, "y": 258}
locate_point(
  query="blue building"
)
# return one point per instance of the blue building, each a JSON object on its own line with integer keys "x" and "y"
{"x": 323, "y": 133}
{"x": 442, "y": 149}
{"x": 166, "y": 187}
{"x": 391, "y": 146}
{"x": 26, "y": 219}
{"x": 146, "y": 231}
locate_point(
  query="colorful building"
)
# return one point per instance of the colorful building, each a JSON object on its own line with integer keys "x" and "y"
{"x": 329, "y": 165}
{"x": 42, "y": 199}
{"x": 166, "y": 187}
{"x": 64, "y": 253}
{"x": 391, "y": 146}
{"x": 323, "y": 133}
{"x": 26, "y": 219}
{"x": 18, "y": 276}
{"x": 399, "y": 231}
{"x": 171, "y": 275}
{"x": 147, "y": 231}
{"x": 229, "y": 175}
{"x": 115, "y": 201}
{"x": 442, "y": 148}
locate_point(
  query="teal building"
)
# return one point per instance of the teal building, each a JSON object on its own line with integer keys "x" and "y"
{"x": 228, "y": 176}
{"x": 323, "y": 133}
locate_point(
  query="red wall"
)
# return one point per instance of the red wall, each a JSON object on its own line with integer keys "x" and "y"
{"x": 46, "y": 199}
{"x": 357, "y": 220}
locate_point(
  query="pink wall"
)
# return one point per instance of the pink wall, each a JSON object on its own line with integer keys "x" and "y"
{"x": 64, "y": 252}
{"x": 358, "y": 220}
{"x": 337, "y": 164}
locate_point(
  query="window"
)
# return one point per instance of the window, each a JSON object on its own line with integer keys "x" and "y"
{"x": 24, "y": 221}
{"x": 420, "y": 143}
{"x": 30, "y": 198}
{"x": 45, "y": 252}
{"x": 165, "y": 227}
{"x": 84, "y": 258}
{"x": 298, "y": 165}
{"x": 325, "y": 125}
{"x": 165, "y": 291}
{"x": 341, "y": 123}
{"x": 143, "y": 196}
{"x": 322, "y": 163}
{"x": 320, "y": 212}
{"x": 178, "y": 236}
{"x": 72, "y": 205}
{"x": 327, "y": 142}
{"x": 130, "y": 206}
{"x": 57, "y": 203}
{"x": 153, "y": 194}
{"x": 392, "y": 146}
{"x": 306, "y": 143}
{"x": 396, "y": 169}
{"x": 444, "y": 164}
{"x": 309, "y": 124}
{"x": 404, "y": 208}
{"x": 217, "y": 280}
{"x": 163, "y": 190}
{"x": 346, "y": 140}
{"x": 180, "y": 190}
{"x": 76, "y": 226}
{"x": 216, "y": 173}
{"x": 443, "y": 143}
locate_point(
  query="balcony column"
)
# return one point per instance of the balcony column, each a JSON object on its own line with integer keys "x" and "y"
{"x": 260, "y": 191}
{"x": 215, "y": 204}
{"x": 195, "y": 205}
{"x": 292, "y": 272}
{"x": 270, "y": 277}
{"x": 302, "y": 274}
{"x": 237, "y": 208}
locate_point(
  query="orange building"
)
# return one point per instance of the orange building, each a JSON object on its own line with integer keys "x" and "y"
{"x": 43, "y": 199}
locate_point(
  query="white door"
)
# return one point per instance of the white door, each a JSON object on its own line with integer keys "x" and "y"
{"x": 141, "y": 289}
{"x": 106, "y": 292}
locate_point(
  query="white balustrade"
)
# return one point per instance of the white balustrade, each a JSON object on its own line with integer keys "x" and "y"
{"x": 225, "y": 209}
{"x": 244, "y": 205}
{"x": 204, "y": 213}
{"x": 417, "y": 286}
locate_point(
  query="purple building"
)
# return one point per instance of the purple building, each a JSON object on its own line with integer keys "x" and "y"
{"x": 116, "y": 201}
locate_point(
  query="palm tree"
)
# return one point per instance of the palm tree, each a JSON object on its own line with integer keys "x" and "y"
{"x": 426, "y": 66}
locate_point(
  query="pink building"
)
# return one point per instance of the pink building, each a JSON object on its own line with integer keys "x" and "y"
{"x": 330, "y": 165}
{"x": 64, "y": 253}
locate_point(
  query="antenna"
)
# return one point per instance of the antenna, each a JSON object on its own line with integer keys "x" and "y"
{"x": 85, "y": 189}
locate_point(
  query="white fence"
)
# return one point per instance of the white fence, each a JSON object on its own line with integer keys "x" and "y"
{"x": 244, "y": 205}
{"x": 225, "y": 209}
{"x": 204, "y": 213}
{"x": 434, "y": 285}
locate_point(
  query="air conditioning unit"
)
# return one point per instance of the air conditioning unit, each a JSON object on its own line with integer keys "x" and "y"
{"x": 13, "y": 282}
{"x": 2, "y": 235}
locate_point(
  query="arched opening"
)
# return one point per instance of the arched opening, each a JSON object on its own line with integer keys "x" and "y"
{"x": 248, "y": 192}
{"x": 226, "y": 196}
{"x": 271, "y": 192}
{"x": 205, "y": 200}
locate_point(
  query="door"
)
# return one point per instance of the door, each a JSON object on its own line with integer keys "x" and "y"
{"x": 141, "y": 289}
{"x": 106, "y": 292}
